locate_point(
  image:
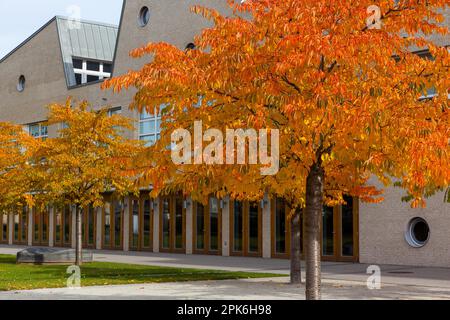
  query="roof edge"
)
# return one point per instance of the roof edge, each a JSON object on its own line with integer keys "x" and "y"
{"x": 28, "y": 39}
{"x": 104, "y": 24}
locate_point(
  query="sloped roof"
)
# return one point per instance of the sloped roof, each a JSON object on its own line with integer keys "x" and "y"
{"x": 86, "y": 39}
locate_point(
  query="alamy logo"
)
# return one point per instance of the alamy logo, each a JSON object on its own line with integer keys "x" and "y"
{"x": 374, "y": 281}
{"x": 74, "y": 281}
{"x": 256, "y": 143}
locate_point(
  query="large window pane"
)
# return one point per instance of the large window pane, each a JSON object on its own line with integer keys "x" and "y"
{"x": 117, "y": 223}
{"x": 253, "y": 227}
{"x": 135, "y": 224}
{"x": 200, "y": 220}
{"x": 4, "y": 227}
{"x": 67, "y": 225}
{"x": 328, "y": 232}
{"x": 77, "y": 63}
{"x": 147, "y": 127}
{"x": 347, "y": 228}
{"x": 91, "y": 226}
{"x": 280, "y": 226}
{"x": 214, "y": 224}
{"x": 44, "y": 217}
{"x": 166, "y": 224}
{"x": 24, "y": 224}
{"x": 107, "y": 225}
{"x": 93, "y": 66}
{"x": 238, "y": 227}
{"x": 37, "y": 223}
{"x": 16, "y": 227}
{"x": 179, "y": 223}
{"x": 58, "y": 227}
{"x": 147, "y": 224}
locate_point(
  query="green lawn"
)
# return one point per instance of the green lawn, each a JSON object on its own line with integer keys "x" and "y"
{"x": 27, "y": 277}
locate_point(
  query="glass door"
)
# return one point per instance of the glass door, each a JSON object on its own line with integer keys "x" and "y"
{"x": 340, "y": 232}
{"x": 172, "y": 224}
{"x": 280, "y": 229}
{"x": 141, "y": 223}
{"x": 328, "y": 232}
{"x": 40, "y": 228}
{"x": 147, "y": 224}
{"x": 207, "y": 227}
{"x": 214, "y": 227}
{"x": 112, "y": 224}
{"x": 107, "y": 225}
{"x": 20, "y": 230}
{"x": 89, "y": 228}
{"x": 67, "y": 227}
{"x": 4, "y": 236}
{"x": 246, "y": 235}
{"x": 58, "y": 228}
{"x": 134, "y": 224}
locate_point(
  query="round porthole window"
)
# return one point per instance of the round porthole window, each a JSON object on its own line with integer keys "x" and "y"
{"x": 21, "y": 84}
{"x": 144, "y": 16}
{"x": 418, "y": 233}
{"x": 190, "y": 46}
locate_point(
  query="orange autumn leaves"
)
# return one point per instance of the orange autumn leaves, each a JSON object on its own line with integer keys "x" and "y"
{"x": 87, "y": 157}
{"x": 335, "y": 89}
{"x": 15, "y": 145}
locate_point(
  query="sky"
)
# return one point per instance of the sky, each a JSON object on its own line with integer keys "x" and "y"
{"x": 19, "y": 19}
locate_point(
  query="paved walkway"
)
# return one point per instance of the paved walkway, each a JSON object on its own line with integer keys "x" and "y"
{"x": 341, "y": 280}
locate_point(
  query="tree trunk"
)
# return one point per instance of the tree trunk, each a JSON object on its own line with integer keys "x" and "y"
{"x": 79, "y": 243}
{"x": 296, "y": 253}
{"x": 313, "y": 220}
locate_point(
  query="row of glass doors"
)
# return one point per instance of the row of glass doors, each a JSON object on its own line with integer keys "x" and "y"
{"x": 340, "y": 236}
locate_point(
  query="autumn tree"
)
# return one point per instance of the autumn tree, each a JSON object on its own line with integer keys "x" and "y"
{"x": 89, "y": 157}
{"x": 15, "y": 148}
{"x": 339, "y": 81}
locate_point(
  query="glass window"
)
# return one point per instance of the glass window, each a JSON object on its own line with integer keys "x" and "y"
{"x": 179, "y": 223}
{"x": 150, "y": 127}
{"x": 78, "y": 79}
{"x": 91, "y": 226}
{"x": 214, "y": 224}
{"x": 418, "y": 233}
{"x": 347, "y": 228}
{"x": 92, "y": 78}
{"x": 93, "y": 66}
{"x": 87, "y": 71}
{"x": 144, "y": 16}
{"x": 16, "y": 227}
{"x": 58, "y": 227}
{"x": 38, "y": 130}
{"x": 166, "y": 224}
{"x": 67, "y": 225}
{"x": 107, "y": 67}
{"x": 200, "y": 218}
{"x": 135, "y": 224}
{"x": 24, "y": 224}
{"x": 4, "y": 227}
{"x": 115, "y": 111}
{"x": 77, "y": 63}
{"x": 253, "y": 227}
{"x": 21, "y": 84}
{"x": 280, "y": 226}
{"x": 328, "y": 231}
{"x": 118, "y": 223}
{"x": 147, "y": 223}
{"x": 238, "y": 226}
{"x": 107, "y": 224}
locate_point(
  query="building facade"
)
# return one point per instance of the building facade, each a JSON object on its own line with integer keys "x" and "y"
{"x": 64, "y": 59}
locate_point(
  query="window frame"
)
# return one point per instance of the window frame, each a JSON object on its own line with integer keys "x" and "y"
{"x": 85, "y": 72}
